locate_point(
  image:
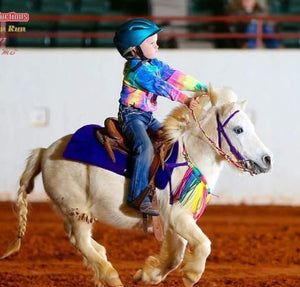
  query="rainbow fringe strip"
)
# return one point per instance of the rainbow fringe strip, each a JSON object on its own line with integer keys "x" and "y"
{"x": 193, "y": 192}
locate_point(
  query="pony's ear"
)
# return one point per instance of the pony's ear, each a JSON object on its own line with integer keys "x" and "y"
{"x": 243, "y": 105}
{"x": 227, "y": 109}
{"x": 212, "y": 94}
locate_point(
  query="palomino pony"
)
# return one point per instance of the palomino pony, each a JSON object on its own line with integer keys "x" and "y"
{"x": 81, "y": 191}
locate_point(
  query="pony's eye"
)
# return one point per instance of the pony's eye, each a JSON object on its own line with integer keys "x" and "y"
{"x": 238, "y": 130}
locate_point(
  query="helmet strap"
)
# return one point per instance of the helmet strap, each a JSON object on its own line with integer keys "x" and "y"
{"x": 141, "y": 54}
{"x": 132, "y": 52}
{"x": 129, "y": 53}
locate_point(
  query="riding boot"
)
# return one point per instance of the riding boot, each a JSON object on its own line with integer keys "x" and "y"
{"x": 144, "y": 207}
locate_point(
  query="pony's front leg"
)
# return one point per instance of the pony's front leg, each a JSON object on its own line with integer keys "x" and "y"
{"x": 198, "y": 251}
{"x": 157, "y": 267}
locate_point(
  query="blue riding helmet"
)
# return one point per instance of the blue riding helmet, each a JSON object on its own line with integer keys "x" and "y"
{"x": 132, "y": 33}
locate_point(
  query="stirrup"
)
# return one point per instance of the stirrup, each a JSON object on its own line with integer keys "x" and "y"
{"x": 146, "y": 208}
{"x": 136, "y": 204}
{"x": 138, "y": 201}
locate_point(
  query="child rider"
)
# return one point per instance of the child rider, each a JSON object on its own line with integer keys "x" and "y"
{"x": 145, "y": 78}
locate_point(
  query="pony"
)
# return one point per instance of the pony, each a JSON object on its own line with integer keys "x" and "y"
{"x": 85, "y": 193}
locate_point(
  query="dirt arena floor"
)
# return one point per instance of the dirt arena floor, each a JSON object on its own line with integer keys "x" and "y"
{"x": 251, "y": 247}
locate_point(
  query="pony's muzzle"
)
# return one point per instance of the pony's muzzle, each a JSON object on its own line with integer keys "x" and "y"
{"x": 258, "y": 167}
{"x": 265, "y": 166}
{"x": 267, "y": 160}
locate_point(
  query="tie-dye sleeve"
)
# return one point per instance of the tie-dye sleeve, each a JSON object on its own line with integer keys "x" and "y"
{"x": 178, "y": 79}
{"x": 147, "y": 80}
{"x": 185, "y": 82}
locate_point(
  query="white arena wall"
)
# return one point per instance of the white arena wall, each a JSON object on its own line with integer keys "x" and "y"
{"x": 46, "y": 94}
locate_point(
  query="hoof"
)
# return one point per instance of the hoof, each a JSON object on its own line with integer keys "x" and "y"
{"x": 187, "y": 282}
{"x": 114, "y": 282}
{"x": 137, "y": 276}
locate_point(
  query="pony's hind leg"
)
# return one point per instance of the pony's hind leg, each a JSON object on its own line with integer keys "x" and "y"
{"x": 156, "y": 268}
{"x": 99, "y": 248}
{"x": 93, "y": 253}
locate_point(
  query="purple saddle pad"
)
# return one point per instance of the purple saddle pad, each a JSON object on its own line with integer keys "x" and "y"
{"x": 84, "y": 147}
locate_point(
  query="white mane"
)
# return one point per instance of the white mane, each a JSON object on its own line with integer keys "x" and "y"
{"x": 180, "y": 118}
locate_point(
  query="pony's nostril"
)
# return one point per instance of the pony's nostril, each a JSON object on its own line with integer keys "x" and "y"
{"x": 266, "y": 160}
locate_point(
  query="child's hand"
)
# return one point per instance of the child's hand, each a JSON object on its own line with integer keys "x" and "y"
{"x": 192, "y": 102}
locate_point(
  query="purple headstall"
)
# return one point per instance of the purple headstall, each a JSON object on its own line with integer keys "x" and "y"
{"x": 222, "y": 132}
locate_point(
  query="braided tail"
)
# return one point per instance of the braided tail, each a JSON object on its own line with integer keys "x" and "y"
{"x": 32, "y": 169}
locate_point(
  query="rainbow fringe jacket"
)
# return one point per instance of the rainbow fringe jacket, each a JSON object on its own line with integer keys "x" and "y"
{"x": 144, "y": 82}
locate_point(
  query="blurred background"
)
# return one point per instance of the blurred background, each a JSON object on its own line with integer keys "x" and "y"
{"x": 187, "y": 23}
{"x": 60, "y": 71}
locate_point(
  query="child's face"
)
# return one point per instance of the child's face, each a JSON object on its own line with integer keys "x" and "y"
{"x": 248, "y": 5}
{"x": 150, "y": 47}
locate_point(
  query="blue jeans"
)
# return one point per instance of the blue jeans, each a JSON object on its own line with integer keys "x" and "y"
{"x": 135, "y": 123}
{"x": 267, "y": 29}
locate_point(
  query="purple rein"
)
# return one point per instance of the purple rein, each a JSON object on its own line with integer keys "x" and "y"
{"x": 221, "y": 132}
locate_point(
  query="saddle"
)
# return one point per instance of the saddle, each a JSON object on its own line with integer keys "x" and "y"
{"x": 112, "y": 138}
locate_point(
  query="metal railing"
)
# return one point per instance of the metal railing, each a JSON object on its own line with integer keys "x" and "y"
{"x": 169, "y": 21}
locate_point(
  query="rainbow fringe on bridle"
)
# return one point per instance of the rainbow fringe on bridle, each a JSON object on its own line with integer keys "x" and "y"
{"x": 193, "y": 191}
